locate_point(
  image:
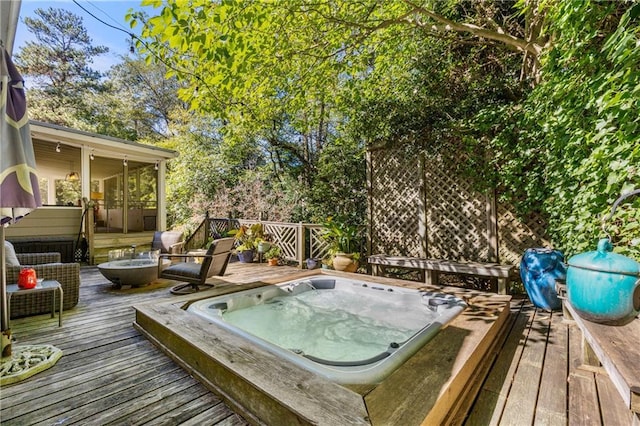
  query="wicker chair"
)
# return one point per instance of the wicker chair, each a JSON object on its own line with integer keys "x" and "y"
{"x": 47, "y": 266}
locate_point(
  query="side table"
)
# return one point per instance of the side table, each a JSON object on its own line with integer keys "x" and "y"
{"x": 44, "y": 286}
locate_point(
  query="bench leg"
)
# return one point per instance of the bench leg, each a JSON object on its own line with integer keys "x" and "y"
{"x": 375, "y": 270}
{"x": 502, "y": 285}
{"x": 431, "y": 277}
{"x": 589, "y": 357}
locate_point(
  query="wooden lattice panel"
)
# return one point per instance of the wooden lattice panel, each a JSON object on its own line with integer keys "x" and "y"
{"x": 515, "y": 235}
{"x": 460, "y": 222}
{"x": 220, "y": 227}
{"x": 285, "y": 237}
{"x": 456, "y": 215}
{"x": 395, "y": 192}
{"x": 318, "y": 246}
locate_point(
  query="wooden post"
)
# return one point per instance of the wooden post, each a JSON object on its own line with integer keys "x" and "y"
{"x": 422, "y": 207}
{"x": 89, "y": 226}
{"x": 375, "y": 270}
{"x": 589, "y": 357}
{"x": 431, "y": 277}
{"x": 300, "y": 246}
{"x": 492, "y": 228}
{"x": 125, "y": 195}
{"x": 369, "y": 214}
{"x": 503, "y": 284}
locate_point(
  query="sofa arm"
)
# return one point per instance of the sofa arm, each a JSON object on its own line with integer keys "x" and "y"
{"x": 27, "y": 259}
{"x": 67, "y": 274}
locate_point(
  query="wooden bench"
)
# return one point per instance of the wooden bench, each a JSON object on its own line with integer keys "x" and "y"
{"x": 615, "y": 348}
{"x": 433, "y": 267}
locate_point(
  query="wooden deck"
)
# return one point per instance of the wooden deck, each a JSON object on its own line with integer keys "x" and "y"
{"x": 110, "y": 374}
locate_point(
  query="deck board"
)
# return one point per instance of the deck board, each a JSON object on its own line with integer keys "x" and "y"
{"x": 560, "y": 388}
{"x": 521, "y": 403}
{"x": 492, "y": 397}
{"x": 551, "y": 408}
{"x": 614, "y": 411}
{"x": 110, "y": 373}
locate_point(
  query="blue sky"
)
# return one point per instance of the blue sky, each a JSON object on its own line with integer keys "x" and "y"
{"x": 110, "y": 11}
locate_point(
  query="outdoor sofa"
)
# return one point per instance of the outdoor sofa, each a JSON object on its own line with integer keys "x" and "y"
{"x": 47, "y": 266}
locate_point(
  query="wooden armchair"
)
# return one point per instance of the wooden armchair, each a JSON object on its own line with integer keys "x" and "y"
{"x": 194, "y": 275}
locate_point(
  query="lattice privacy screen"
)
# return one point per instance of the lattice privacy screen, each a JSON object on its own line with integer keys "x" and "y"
{"x": 395, "y": 203}
{"x": 516, "y": 235}
{"x": 425, "y": 209}
{"x": 456, "y": 215}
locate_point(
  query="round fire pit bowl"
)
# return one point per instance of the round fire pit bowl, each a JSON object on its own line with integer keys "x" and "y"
{"x": 132, "y": 272}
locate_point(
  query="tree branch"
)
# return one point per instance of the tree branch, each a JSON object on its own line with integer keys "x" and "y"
{"x": 445, "y": 24}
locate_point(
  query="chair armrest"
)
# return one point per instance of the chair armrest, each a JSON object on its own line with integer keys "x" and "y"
{"x": 182, "y": 256}
{"x": 28, "y": 259}
{"x": 176, "y": 248}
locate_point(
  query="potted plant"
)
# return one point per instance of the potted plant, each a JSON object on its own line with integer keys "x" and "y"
{"x": 273, "y": 255}
{"x": 327, "y": 262}
{"x": 344, "y": 243}
{"x": 247, "y": 240}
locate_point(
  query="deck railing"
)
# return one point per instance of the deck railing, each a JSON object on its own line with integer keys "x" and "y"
{"x": 297, "y": 241}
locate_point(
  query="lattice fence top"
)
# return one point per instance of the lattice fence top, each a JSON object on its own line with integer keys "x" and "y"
{"x": 318, "y": 246}
{"x": 459, "y": 223}
{"x": 219, "y": 227}
{"x": 285, "y": 237}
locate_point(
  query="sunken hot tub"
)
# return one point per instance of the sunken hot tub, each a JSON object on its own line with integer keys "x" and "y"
{"x": 299, "y": 384}
{"x": 349, "y": 331}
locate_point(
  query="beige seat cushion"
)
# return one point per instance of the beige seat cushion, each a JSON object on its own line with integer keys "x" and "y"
{"x": 10, "y": 255}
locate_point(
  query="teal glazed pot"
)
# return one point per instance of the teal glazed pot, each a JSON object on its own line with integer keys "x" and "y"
{"x": 604, "y": 287}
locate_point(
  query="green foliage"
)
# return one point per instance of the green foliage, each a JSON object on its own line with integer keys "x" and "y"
{"x": 341, "y": 236}
{"x": 339, "y": 185}
{"x": 67, "y": 192}
{"x": 145, "y": 100}
{"x": 273, "y": 253}
{"x": 570, "y": 148}
{"x": 57, "y": 65}
{"x": 248, "y": 237}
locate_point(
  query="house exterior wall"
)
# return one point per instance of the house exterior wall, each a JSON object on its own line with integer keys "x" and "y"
{"x": 47, "y": 222}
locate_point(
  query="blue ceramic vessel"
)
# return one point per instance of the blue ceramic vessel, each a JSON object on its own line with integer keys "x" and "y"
{"x": 604, "y": 287}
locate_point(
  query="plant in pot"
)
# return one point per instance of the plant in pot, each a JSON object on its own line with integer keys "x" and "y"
{"x": 344, "y": 244}
{"x": 273, "y": 255}
{"x": 247, "y": 240}
{"x": 327, "y": 262}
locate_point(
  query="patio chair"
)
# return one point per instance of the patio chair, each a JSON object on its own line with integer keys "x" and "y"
{"x": 47, "y": 266}
{"x": 193, "y": 274}
{"x": 167, "y": 242}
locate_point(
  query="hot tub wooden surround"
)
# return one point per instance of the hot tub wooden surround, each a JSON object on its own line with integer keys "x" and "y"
{"x": 434, "y": 386}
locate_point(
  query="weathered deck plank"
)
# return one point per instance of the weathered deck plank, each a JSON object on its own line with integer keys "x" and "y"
{"x": 583, "y": 398}
{"x": 614, "y": 411}
{"x": 521, "y": 404}
{"x": 551, "y": 408}
{"x": 109, "y": 372}
{"x": 492, "y": 398}
{"x": 565, "y": 391}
